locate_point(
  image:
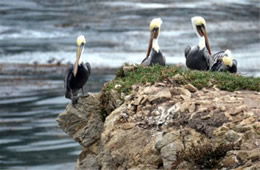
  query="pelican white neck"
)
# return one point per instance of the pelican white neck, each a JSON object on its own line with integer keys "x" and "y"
{"x": 156, "y": 45}
{"x": 201, "y": 42}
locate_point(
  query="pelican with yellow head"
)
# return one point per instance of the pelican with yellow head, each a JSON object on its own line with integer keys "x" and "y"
{"x": 77, "y": 75}
{"x": 156, "y": 56}
{"x": 199, "y": 56}
{"x": 223, "y": 62}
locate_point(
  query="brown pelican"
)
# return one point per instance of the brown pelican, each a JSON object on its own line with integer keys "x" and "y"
{"x": 223, "y": 62}
{"x": 199, "y": 57}
{"x": 76, "y": 76}
{"x": 156, "y": 55}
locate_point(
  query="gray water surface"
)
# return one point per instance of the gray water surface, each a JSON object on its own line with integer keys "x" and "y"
{"x": 118, "y": 31}
{"x": 29, "y": 136}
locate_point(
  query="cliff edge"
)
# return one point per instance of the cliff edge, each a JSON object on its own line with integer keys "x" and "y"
{"x": 168, "y": 118}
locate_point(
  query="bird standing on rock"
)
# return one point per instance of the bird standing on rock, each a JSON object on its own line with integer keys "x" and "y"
{"x": 199, "y": 56}
{"x": 76, "y": 76}
{"x": 156, "y": 56}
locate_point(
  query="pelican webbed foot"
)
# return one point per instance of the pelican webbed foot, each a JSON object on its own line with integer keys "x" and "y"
{"x": 84, "y": 95}
{"x": 74, "y": 100}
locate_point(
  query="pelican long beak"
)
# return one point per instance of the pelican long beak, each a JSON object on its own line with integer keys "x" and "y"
{"x": 204, "y": 32}
{"x": 79, "y": 52}
{"x": 152, "y": 35}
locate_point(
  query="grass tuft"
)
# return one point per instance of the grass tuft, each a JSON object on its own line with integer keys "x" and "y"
{"x": 203, "y": 155}
{"x": 200, "y": 79}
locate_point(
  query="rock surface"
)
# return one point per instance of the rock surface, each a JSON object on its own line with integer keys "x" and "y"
{"x": 161, "y": 126}
{"x": 82, "y": 121}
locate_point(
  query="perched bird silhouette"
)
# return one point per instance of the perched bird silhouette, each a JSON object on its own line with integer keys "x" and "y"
{"x": 199, "y": 57}
{"x": 156, "y": 56}
{"x": 76, "y": 76}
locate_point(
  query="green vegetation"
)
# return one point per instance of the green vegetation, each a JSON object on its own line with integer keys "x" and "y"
{"x": 175, "y": 75}
{"x": 181, "y": 76}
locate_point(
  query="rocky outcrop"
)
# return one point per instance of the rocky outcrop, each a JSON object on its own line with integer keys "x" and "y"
{"x": 164, "y": 126}
{"x": 83, "y": 122}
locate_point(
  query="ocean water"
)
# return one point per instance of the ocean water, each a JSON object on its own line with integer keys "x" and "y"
{"x": 116, "y": 32}
{"x": 29, "y": 135}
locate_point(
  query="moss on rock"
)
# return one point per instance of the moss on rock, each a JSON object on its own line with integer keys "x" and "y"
{"x": 200, "y": 79}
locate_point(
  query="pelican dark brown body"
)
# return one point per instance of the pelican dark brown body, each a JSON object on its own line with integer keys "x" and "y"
{"x": 74, "y": 83}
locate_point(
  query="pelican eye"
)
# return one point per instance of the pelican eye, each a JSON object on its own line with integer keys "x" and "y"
{"x": 201, "y": 26}
{"x": 155, "y": 29}
{"x": 199, "y": 29}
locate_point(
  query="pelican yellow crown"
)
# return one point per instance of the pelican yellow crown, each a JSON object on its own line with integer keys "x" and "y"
{"x": 155, "y": 23}
{"x": 81, "y": 40}
{"x": 227, "y": 59}
{"x": 198, "y": 20}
